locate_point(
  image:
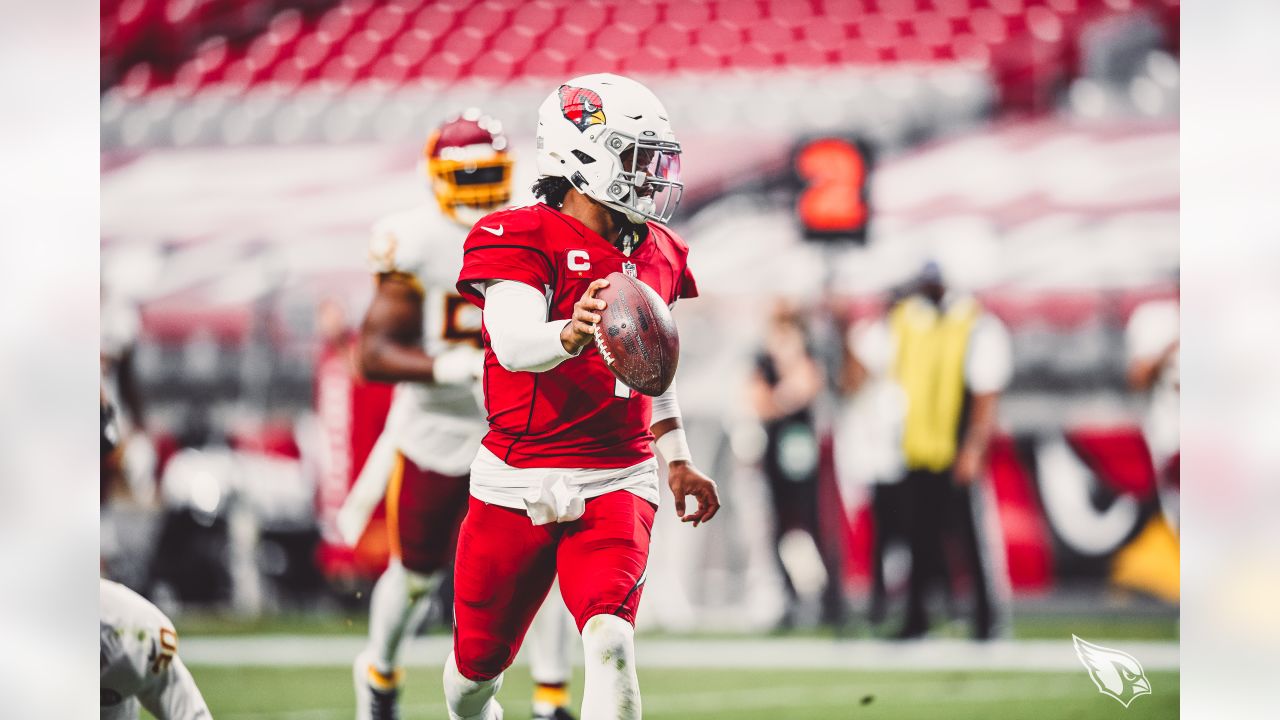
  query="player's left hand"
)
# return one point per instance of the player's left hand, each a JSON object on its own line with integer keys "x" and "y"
{"x": 684, "y": 480}
{"x": 967, "y": 468}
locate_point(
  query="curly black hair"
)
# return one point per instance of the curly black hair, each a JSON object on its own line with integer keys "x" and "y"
{"x": 551, "y": 190}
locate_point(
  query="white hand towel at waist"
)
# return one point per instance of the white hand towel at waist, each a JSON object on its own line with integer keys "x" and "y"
{"x": 554, "y": 501}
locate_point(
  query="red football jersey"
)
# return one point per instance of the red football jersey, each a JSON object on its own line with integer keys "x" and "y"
{"x": 575, "y": 415}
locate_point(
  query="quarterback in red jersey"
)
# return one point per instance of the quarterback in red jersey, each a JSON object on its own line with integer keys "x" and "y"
{"x": 566, "y": 481}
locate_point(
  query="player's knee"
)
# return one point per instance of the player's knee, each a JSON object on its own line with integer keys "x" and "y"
{"x": 482, "y": 658}
{"x": 608, "y": 640}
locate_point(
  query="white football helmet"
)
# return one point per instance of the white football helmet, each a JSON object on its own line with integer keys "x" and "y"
{"x": 609, "y": 136}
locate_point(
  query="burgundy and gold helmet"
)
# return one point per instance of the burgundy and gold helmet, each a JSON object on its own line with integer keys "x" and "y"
{"x": 469, "y": 166}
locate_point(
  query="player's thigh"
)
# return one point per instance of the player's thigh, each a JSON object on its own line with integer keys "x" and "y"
{"x": 428, "y": 508}
{"x": 602, "y": 557}
{"x": 503, "y": 569}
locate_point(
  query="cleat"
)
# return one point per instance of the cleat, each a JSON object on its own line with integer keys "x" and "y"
{"x": 377, "y": 695}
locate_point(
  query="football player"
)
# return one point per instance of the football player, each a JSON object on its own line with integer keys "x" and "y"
{"x": 566, "y": 480}
{"x": 419, "y": 333}
{"x": 139, "y": 660}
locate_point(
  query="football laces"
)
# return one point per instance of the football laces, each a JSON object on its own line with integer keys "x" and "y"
{"x": 604, "y": 351}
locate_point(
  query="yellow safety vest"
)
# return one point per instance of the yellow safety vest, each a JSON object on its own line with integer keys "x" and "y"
{"x": 931, "y": 349}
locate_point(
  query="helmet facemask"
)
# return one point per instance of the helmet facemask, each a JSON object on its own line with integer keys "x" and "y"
{"x": 647, "y": 183}
{"x": 469, "y": 190}
{"x": 469, "y": 167}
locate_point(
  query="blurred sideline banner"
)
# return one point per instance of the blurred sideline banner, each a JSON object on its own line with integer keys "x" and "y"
{"x": 1077, "y": 506}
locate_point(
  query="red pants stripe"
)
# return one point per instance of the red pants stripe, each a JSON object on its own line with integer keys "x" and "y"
{"x": 505, "y": 565}
{"x": 424, "y": 512}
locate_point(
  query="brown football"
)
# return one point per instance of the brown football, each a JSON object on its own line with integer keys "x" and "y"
{"x": 636, "y": 336}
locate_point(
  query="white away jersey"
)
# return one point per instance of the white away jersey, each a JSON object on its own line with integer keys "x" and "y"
{"x": 139, "y": 661}
{"x": 438, "y": 427}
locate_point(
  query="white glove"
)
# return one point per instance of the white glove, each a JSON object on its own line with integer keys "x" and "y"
{"x": 458, "y": 365}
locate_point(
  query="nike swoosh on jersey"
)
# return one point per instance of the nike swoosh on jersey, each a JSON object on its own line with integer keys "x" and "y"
{"x": 497, "y": 232}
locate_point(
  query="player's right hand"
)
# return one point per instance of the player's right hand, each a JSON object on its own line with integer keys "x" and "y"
{"x": 580, "y": 330}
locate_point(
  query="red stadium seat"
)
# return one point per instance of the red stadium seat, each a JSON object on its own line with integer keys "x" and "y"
{"x": 841, "y": 11}
{"x": 789, "y": 13}
{"x": 646, "y": 61}
{"x": 770, "y": 35}
{"x": 569, "y": 43}
{"x": 699, "y": 59}
{"x": 931, "y": 29}
{"x": 912, "y": 51}
{"x": 585, "y": 17}
{"x": 752, "y": 57}
{"x": 536, "y": 17}
{"x": 989, "y": 26}
{"x": 738, "y": 13}
{"x": 1044, "y": 25}
{"x": 616, "y": 42}
{"x": 588, "y": 63}
{"x": 1008, "y": 7}
{"x": 497, "y": 67}
{"x": 516, "y": 42}
{"x": 896, "y": 9}
{"x": 667, "y": 40}
{"x": 336, "y": 24}
{"x": 391, "y": 69}
{"x": 435, "y": 19}
{"x": 313, "y": 49}
{"x": 857, "y": 52}
{"x": 720, "y": 38}
{"x": 805, "y": 54}
{"x": 545, "y": 64}
{"x": 440, "y": 67}
{"x": 413, "y": 46}
{"x": 688, "y": 15}
{"x": 387, "y": 21}
{"x": 952, "y": 8}
{"x": 462, "y": 45}
{"x": 636, "y": 15}
{"x": 137, "y": 80}
{"x": 969, "y": 49}
{"x": 826, "y": 36}
{"x": 486, "y": 17}
{"x": 363, "y": 47}
{"x": 878, "y": 32}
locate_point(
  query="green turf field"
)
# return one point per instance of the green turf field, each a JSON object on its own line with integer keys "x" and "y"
{"x": 1026, "y": 626}
{"x": 326, "y": 694}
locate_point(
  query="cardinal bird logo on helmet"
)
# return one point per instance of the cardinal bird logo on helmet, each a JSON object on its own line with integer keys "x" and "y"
{"x": 581, "y": 106}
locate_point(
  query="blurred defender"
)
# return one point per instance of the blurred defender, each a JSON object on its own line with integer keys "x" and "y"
{"x": 420, "y": 334}
{"x": 139, "y": 660}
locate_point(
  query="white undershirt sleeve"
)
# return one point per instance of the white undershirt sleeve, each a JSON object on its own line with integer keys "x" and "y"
{"x": 515, "y": 316}
{"x": 665, "y": 405}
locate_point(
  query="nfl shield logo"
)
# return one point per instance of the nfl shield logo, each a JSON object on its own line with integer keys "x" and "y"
{"x": 629, "y": 269}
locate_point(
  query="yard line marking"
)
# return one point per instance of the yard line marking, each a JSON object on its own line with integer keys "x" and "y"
{"x": 706, "y": 702}
{"x": 773, "y": 653}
